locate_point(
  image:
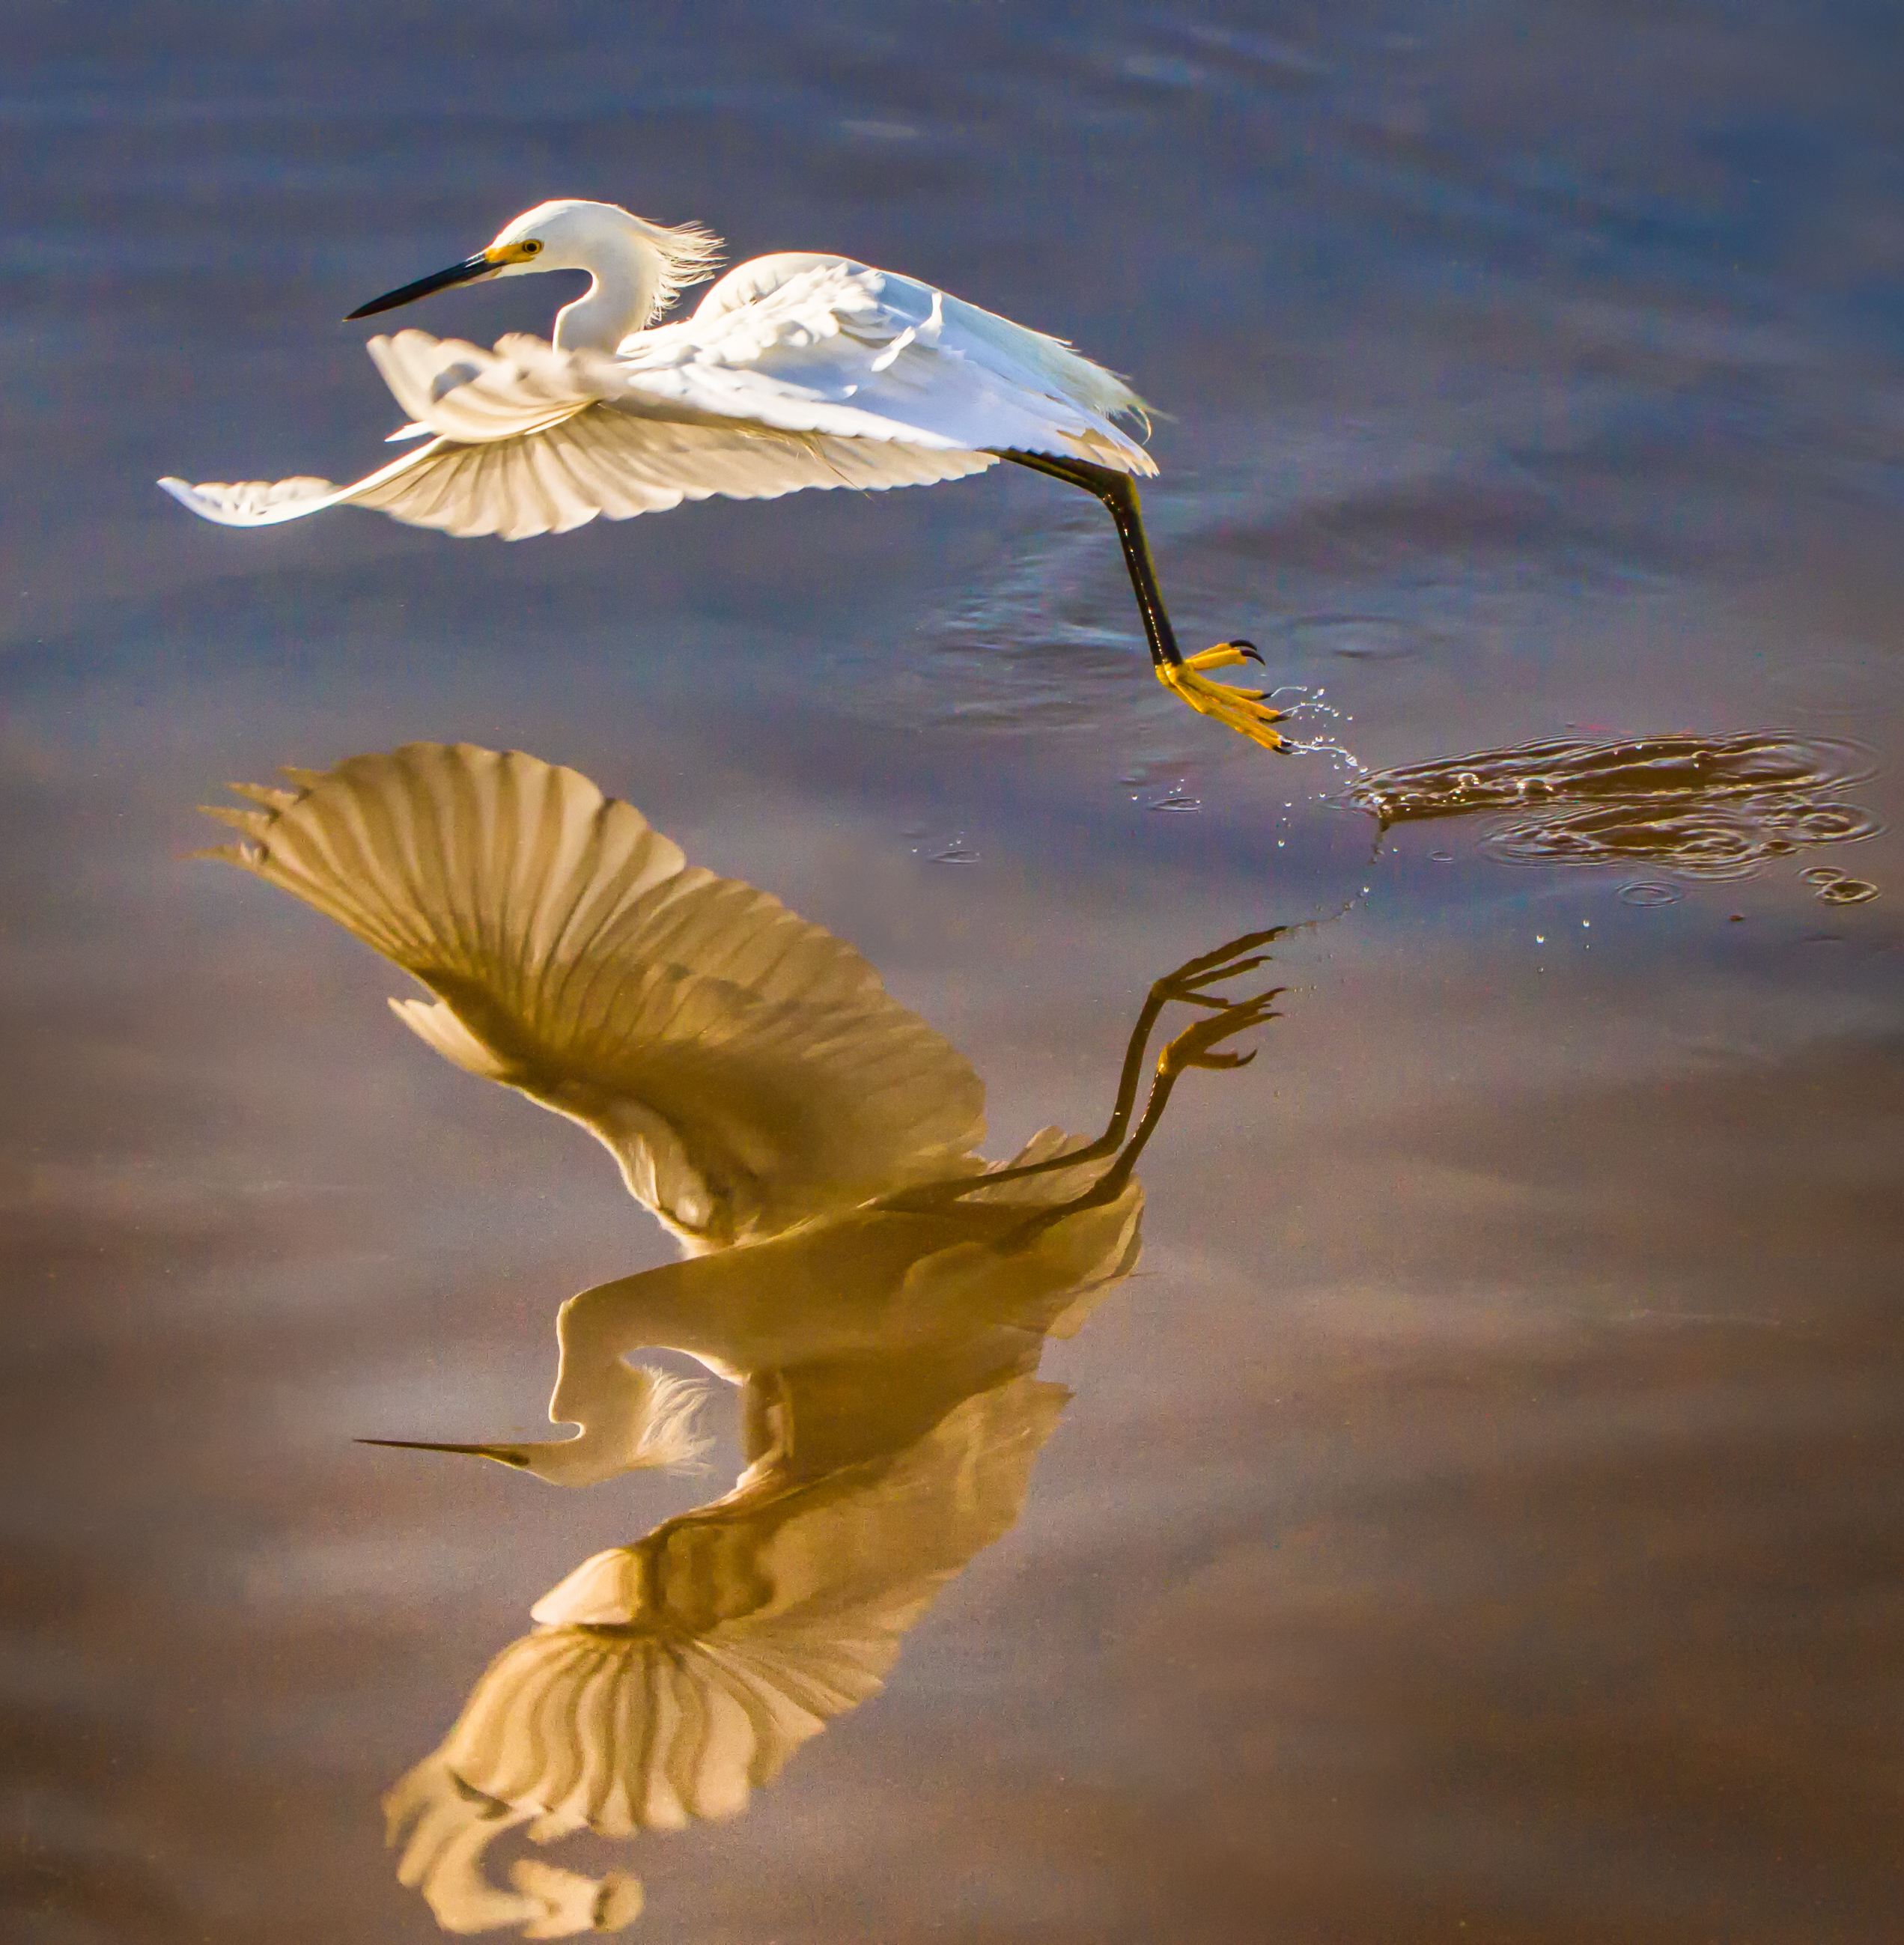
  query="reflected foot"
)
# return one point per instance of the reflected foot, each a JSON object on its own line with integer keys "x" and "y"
{"x": 1197, "y": 1045}
{"x": 1242, "y": 710}
{"x": 1189, "y": 983}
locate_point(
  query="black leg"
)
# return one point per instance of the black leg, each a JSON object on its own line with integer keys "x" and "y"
{"x": 1244, "y": 710}
{"x": 1119, "y": 497}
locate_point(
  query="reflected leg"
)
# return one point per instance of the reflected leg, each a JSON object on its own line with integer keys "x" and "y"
{"x": 1186, "y": 985}
{"x": 1195, "y": 1047}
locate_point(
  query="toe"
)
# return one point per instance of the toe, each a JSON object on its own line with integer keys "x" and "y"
{"x": 1225, "y": 654}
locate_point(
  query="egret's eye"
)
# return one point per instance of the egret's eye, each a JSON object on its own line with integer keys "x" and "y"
{"x": 531, "y": 248}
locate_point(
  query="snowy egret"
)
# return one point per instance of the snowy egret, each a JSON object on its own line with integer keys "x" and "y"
{"x": 795, "y": 370}
{"x": 811, "y": 1142}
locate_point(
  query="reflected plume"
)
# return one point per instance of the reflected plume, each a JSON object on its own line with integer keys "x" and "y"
{"x": 1706, "y": 807}
{"x": 879, "y": 1294}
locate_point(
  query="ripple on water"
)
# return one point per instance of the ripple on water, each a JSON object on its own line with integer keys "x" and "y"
{"x": 1834, "y": 888}
{"x": 1704, "y": 806}
{"x": 1361, "y": 638}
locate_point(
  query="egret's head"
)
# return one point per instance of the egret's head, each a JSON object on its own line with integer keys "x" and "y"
{"x": 637, "y": 1417}
{"x": 567, "y": 236}
{"x": 574, "y": 235}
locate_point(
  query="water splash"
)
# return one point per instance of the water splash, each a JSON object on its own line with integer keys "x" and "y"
{"x": 1705, "y": 807}
{"x": 1301, "y": 705}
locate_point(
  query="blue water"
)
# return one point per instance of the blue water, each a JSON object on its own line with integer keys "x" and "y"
{"x": 1479, "y": 1519}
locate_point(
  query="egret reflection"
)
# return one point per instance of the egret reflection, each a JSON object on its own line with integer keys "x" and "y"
{"x": 879, "y": 1294}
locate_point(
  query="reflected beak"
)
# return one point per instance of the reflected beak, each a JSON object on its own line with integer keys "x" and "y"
{"x": 503, "y": 1455}
{"x": 483, "y": 264}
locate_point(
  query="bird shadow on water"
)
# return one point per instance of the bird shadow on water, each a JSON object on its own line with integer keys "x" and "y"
{"x": 879, "y": 1293}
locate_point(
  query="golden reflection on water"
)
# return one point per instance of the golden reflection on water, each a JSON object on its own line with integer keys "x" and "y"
{"x": 1706, "y": 807}
{"x": 881, "y": 1295}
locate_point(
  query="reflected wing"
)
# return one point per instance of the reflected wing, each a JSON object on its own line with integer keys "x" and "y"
{"x": 671, "y": 1678}
{"x": 746, "y": 1068}
{"x": 819, "y": 344}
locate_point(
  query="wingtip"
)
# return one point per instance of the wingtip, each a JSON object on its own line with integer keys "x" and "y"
{"x": 244, "y": 856}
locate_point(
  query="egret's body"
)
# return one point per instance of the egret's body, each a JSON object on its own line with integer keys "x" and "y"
{"x": 794, "y": 371}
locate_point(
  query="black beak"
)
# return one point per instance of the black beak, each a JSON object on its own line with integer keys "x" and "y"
{"x": 467, "y": 272}
{"x": 507, "y": 1455}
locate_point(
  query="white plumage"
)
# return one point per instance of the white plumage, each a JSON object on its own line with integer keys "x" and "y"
{"x": 795, "y": 370}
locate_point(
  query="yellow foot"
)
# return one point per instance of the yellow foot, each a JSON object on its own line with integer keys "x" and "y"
{"x": 1243, "y": 709}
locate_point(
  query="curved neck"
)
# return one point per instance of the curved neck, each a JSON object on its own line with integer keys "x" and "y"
{"x": 626, "y": 274}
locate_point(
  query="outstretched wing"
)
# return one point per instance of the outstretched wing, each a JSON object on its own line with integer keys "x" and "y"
{"x": 747, "y": 1069}
{"x": 795, "y": 371}
{"x": 526, "y": 443}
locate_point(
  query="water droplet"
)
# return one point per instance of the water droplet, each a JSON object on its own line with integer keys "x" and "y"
{"x": 1821, "y": 875}
{"x": 1540, "y": 938}
{"x": 1847, "y": 892}
{"x": 1441, "y": 857}
{"x": 1644, "y": 892}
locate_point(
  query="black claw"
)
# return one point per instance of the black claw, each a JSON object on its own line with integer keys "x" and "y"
{"x": 1251, "y": 651}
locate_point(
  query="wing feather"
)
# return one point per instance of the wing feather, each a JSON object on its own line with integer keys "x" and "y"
{"x": 822, "y": 343}
{"x": 796, "y": 371}
{"x": 747, "y": 1069}
{"x": 600, "y": 461}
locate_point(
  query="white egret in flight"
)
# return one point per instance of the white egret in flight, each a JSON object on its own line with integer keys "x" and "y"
{"x": 795, "y": 370}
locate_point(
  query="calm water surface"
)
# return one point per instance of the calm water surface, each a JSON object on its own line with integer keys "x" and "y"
{"x": 1475, "y": 1515}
